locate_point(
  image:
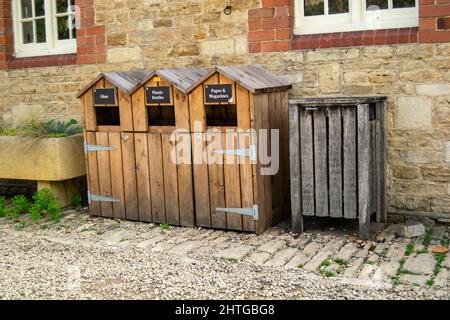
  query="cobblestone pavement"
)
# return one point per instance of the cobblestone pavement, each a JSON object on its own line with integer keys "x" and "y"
{"x": 85, "y": 257}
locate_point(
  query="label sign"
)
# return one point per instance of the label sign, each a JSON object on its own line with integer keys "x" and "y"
{"x": 105, "y": 97}
{"x": 157, "y": 95}
{"x": 217, "y": 93}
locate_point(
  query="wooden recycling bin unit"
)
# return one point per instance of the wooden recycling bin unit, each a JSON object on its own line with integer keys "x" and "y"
{"x": 139, "y": 125}
{"x": 338, "y": 159}
{"x": 226, "y": 106}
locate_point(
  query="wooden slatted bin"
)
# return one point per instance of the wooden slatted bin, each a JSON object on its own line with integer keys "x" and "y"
{"x": 338, "y": 159}
{"x": 107, "y": 106}
{"x": 233, "y": 186}
{"x": 163, "y": 147}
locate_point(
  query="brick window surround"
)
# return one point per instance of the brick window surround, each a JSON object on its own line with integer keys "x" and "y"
{"x": 271, "y": 29}
{"x": 91, "y": 42}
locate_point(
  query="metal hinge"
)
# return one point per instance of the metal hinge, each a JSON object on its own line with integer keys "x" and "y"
{"x": 250, "y": 152}
{"x": 97, "y": 198}
{"x": 90, "y": 148}
{"x": 252, "y": 212}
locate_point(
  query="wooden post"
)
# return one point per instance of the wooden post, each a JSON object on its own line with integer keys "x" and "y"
{"x": 381, "y": 156}
{"x": 294, "y": 145}
{"x": 363, "y": 170}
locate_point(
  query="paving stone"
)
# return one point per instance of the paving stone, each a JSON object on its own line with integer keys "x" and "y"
{"x": 163, "y": 246}
{"x": 272, "y": 246}
{"x": 441, "y": 280}
{"x": 385, "y": 271}
{"x": 258, "y": 257}
{"x": 86, "y": 226}
{"x": 236, "y": 252}
{"x": 331, "y": 248}
{"x": 150, "y": 242}
{"x": 411, "y": 229}
{"x": 381, "y": 249}
{"x": 364, "y": 252}
{"x": 446, "y": 262}
{"x": 187, "y": 247}
{"x": 420, "y": 264}
{"x": 439, "y": 232}
{"x": 415, "y": 279}
{"x": 367, "y": 271}
{"x": 354, "y": 267}
{"x": 115, "y": 237}
{"x": 282, "y": 257}
{"x": 396, "y": 251}
{"x": 387, "y": 234}
{"x": 347, "y": 251}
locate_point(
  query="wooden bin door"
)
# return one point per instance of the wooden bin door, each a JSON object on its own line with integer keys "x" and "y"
{"x": 229, "y": 176}
{"x": 165, "y": 186}
{"x": 112, "y": 175}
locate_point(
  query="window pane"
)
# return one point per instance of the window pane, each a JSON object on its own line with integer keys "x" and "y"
{"x": 40, "y": 31}
{"x": 314, "y": 7}
{"x": 28, "y": 34}
{"x": 27, "y": 9}
{"x": 373, "y": 4}
{"x": 404, "y": 3}
{"x": 63, "y": 28}
{"x": 39, "y": 8}
{"x": 61, "y": 6}
{"x": 337, "y": 6}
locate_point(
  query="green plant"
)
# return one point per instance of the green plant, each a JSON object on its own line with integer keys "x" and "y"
{"x": 19, "y": 206}
{"x": 300, "y": 265}
{"x": 402, "y": 262}
{"x": 426, "y": 239}
{"x": 76, "y": 200}
{"x": 445, "y": 242}
{"x": 341, "y": 262}
{"x": 409, "y": 249}
{"x": 325, "y": 263}
{"x": 396, "y": 280}
{"x": 439, "y": 257}
{"x": 45, "y": 205}
{"x": 58, "y": 129}
{"x": 329, "y": 274}
{"x": 384, "y": 252}
{"x": 430, "y": 282}
{"x": 3, "y": 207}
{"x": 164, "y": 226}
{"x": 404, "y": 271}
{"x": 421, "y": 251}
{"x": 371, "y": 262}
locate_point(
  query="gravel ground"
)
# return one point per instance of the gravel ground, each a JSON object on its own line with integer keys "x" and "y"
{"x": 72, "y": 263}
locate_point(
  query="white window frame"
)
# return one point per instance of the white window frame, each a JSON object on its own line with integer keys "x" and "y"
{"x": 358, "y": 19}
{"x": 52, "y": 46}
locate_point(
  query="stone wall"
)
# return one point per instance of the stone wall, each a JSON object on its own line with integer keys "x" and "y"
{"x": 162, "y": 34}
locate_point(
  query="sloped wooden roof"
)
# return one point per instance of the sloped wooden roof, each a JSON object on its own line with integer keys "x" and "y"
{"x": 128, "y": 81}
{"x": 254, "y": 78}
{"x": 183, "y": 79}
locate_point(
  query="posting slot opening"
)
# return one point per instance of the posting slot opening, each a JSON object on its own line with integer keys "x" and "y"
{"x": 161, "y": 115}
{"x": 107, "y": 116}
{"x": 221, "y": 115}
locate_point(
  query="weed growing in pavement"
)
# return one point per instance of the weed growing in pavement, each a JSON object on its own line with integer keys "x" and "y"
{"x": 426, "y": 239}
{"x": 409, "y": 249}
{"x": 164, "y": 226}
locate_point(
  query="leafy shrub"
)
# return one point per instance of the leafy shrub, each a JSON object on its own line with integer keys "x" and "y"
{"x": 45, "y": 205}
{"x": 58, "y": 129}
{"x": 76, "y": 200}
{"x": 3, "y": 208}
{"x": 20, "y": 205}
{"x": 38, "y": 128}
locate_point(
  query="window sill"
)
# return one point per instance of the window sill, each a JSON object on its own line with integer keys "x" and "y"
{"x": 43, "y": 61}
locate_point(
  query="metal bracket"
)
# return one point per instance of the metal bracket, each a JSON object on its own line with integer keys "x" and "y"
{"x": 250, "y": 152}
{"x": 97, "y": 198}
{"x": 94, "y": 148}
{"x": 252, "y": 212}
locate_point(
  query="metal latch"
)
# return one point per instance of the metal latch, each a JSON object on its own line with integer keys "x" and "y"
{"x": 311, "y": 108}
{"x": 90, "y": 148}
{"x": 252, "y": 212}
{"x": 250, "y": 152}
{"x": 98, "y": 198}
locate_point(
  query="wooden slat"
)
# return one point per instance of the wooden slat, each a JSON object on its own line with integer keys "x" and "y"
{"x": 117, "y": 185}
{"x": 283, "y": 173}
{"x": 170, "y": 180}
{"x": 90, "y": 121}
{"x": 381, "y": 152}
{"x": 129, "y": 174}
{"x": 197, "y": 110}
{"x": 246, "y": 174}
{"x": 320, "y": 163}
{"x": 350, "y": 165}
{"x": 156, "y": 178}
{"x": 93, "y": 183}
{"x": 181, "y": 110}
{"x": 275, "y": 181}
{"x": 373, "y": 174}
{"x": 125, "y": 110}
{"x": 363, "y": 170}
{"x": 243, "y": 108}
{"x": 294, "y": 149}
{"x": 201, "y": 182}
{"x": 216, "y": 179}
{"x": 140, "y": 118}
{"x": 307, "y": 162}
{"x": 104, "y": 174}
{"x": 335, "y": 161}
{"x": 143, "y": 177}
{"x": 232, "y": 183}
{"x": 185, "y": 180}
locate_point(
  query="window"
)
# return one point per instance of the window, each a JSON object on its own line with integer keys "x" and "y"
{"x": 323, "y": 16}
{"x": 44, "y": 27}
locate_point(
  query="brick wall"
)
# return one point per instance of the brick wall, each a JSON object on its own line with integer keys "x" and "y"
{"x": 91, "y": 43}
{"x": 271, "y": 29}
